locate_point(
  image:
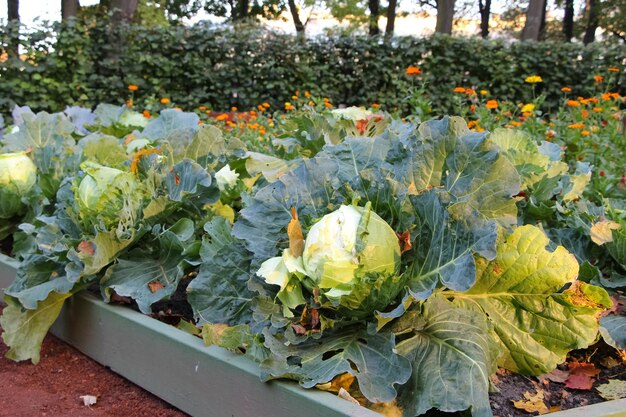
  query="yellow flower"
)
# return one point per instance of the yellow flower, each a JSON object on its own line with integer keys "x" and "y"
{"x": 411, "y": 70}
{"x": 165, "y": 100}
{"x": 484, "y": 92}
{"x": 492, "y": 104}
{"x": 133, "y": 87}
{"x": 533, "y": 79}
{"x": 294, "y": 97}
{"x": 528, "y": 108}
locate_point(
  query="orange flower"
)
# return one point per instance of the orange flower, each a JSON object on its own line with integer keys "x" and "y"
{"x": 294, "y": 97}
{"x": 472, "y": 108}
{"x": 375, "y": 105}
{"x": 289, "y": 106}
{"x": 411, "y": 70}
{"x": 597, "y": 109}
{"x": 221, "y": 117}
{"x": 584, "y": 113}
{"x": 266, "y": 105}
{"x": 576, "y": 126}
{"x": 146, "y": 114}
{"x": 307, "y": 94}
{"x": 165, "y": 100}
{"x": 139, "y": 155}
{"x": 573, "y": 103}
{"x": 328, "y": 105}
{"x": 566, "y": 90}
{"x": 492, "y": 104}
{"x": 470, "y": 92}
{"x": 129, "y": 102}
{"x": 598, "y": 79}
{"x": 203, "y": 108}
{"x": 459, "y": 90}
{"x": 585, "y": 133}
{"x": 311, "y": 103}
{"x": 133, "y": 87}
{"x": 233, "y": 108}
{"x": 516, "y": 123}
{"x": 606, "y": 96}
{"x": 613, "y": 69}
{"x": 472, "y": 123}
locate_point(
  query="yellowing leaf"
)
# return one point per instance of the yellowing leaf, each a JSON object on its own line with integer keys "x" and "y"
{"x": 602, "y": 232}
{"x": 613, "y": 390}
{"x": 388, "y": 409}
{"x": 343, "y": 381}
{"x": 532, "y": 403}
{"x": 296, "y": 238}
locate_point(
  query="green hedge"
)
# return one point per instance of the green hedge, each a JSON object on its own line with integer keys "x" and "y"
{"x": 82, "y": 64}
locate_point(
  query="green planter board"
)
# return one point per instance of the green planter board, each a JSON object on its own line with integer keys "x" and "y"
{"x": 199, "y": 380}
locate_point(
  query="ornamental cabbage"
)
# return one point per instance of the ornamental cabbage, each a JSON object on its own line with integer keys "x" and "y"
{"x": 351, "y": 256}
{"x": 107, "y": 197}
{"x": 18, "y": 175}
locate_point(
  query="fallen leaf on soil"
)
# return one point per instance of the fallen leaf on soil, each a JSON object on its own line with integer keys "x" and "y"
{"x": 405, "y": 241}
{"x": 532, "y": 403}
{"x": 155, "y": 286}
{"x": 89, "y": 400}
{"x": 613, "y": 390}
{"x": 556, "y": 375}
{"x": 346, "y": 396}
{"x": 609, "y": 362}
{"x": 338, "y": 383}
{"x": 582, "y": 375}
{"x": 388, "y": 409}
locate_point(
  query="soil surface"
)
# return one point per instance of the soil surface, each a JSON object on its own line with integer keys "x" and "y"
{"x": 53, "y": 387}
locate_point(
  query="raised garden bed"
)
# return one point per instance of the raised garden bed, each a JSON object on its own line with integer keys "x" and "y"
{"x": 200, "y": 380}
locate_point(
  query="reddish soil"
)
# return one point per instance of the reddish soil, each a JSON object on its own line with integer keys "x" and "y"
{"x": 54, "y": 386}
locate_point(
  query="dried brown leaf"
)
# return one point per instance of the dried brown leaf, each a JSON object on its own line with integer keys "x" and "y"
{"x": 296, "y": 237}
{"x": 532, "y": 403}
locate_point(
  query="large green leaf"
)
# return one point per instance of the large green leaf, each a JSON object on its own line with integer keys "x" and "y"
{"x": 452, "y": 356}
{"x": 444, "y": 248}
{"x": 219, "y": 294}
{"x": 24, "y": 330}
{"x": 171, "y": 126}
{"x": 370, "y": 358}
{"x": 39, "y": 131}
{"x": 535, "y": 323}
{"x": 208, "y": 147}
{"x": 613, "y": 330}
{"x": 151, "y": 277}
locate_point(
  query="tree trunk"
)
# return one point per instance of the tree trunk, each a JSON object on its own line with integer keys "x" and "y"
{"x": 445, "y": 15}
{"x": 296, "y": 18}
{"x": 568, "y": 21}
{"x": 242, "y": 12}
{"x": 534, "y": 17}
{"x": 391, "y": 18}
{"x": 123, "y": 10}
{"x": 485, "y": 12}
{"x": 13, "y": 17}
{"x": 374, "y": 6}
{"x": 592, "y": 21}
{"x": 69, "y": 8}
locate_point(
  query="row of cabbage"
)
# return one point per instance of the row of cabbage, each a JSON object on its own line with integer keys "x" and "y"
{"x": 411, "y": 259}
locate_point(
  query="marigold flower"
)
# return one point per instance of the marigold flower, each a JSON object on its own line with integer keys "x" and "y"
{"x": 550, "y": 134}
{"x": 516, "y": 123}
{"x": 266, "y": 105}
{"x": 613, "y": 69}
{"x": 146, "y": 114}
{"x": 585, "y": 133}
{"x": 203, "y": 108}
{"x": 484, "y": 92}
{"x": 470, "y": 92}
{"x": 221, "y": 117}
{"x": 129, "y": 102}
{"x": 133, "y": 87}
{"x": 328, "y": 105}
{"x": 597, "y": 109}
{"x": 294, "y": 97}
{"x": 260, "y": 107}
{"x": 307, "y": 94}
{"x": 178, "y": 108}
{"x": 598, "y": 79}
{"x": 289, "y": 106}
{"x": 459, "y": 90}
{"x": 576, "y": 126}
{"x": 584, "y": 113}
{"x": 534, "y": 79}
{"x": 411, "y": 70}
{"x": 165, "y": 100}
{"x": 606, "y": 96}
{"x": 472, "y": 123}
{"x": 572, "y": 103}
{"x": 375, "y": 105}
{"x": 234, "y": 108}
{"x": 311, "y": 103}
{"x": 492, "y": 104}
{"x": 472, "y": 108}
{"x": 528, "y": 108}
{"x": 566, "y": 90}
